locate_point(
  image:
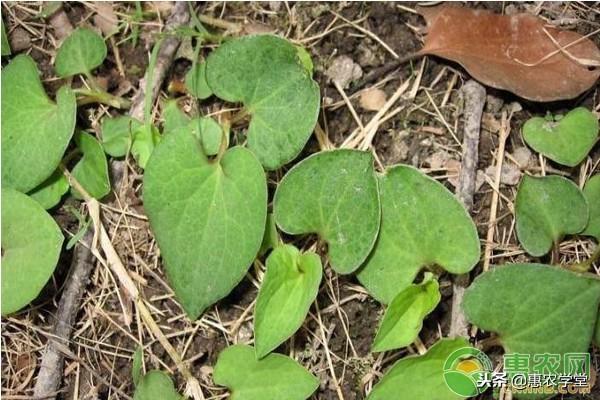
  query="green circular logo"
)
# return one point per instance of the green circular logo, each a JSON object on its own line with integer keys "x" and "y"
{"x": 464, "y": 368}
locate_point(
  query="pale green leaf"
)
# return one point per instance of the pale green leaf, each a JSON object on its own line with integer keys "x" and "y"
{"x": 50, "y": 192}
{"x": 265, "y": 73}
{"x": 174, "y": 117}
{"x": 535, "y": 308}
{"x": 31, "y": 244}
{"x": 195, "y": 82}
{"x": 275, "y": 377}
{"x": 209, "y": 132}
{"x": 334, "y": 194}
{"x": 591, "y": 191}
{"x": 117, "y": 134}
{"x": 208, "y": 217}
{"x": 145, "y": 140}
{"x": 289, "y": 287}
{"x": 422, "y": 225}
{"x": 92, "y": 170}
{"x": 546, "y": 209}
{"x": 4, "y": 45}
{"x": 156, "y": 385}
{"x": 136, "y": 367}
{"x": 35, "y": 131}
{"x": 404, "y": 316}
{"x": 566, "y": 140}
{"x": 419, "y": 377}
{"x": 80, "y": 53}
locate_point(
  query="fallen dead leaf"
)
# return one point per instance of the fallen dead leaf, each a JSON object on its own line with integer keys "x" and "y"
{"x": 517, "y": 53}
{"x": 373, "y": 99}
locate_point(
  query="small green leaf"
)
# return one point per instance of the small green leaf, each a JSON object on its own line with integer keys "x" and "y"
{"x": 174, "y": 117}
{"x": 35, "y": 131}
{"x": 404, "y": 316}
{"x": 591, "y": 192}
{"x": 92, "y": 170}
{"x": 535, "y": 308}
{"x": 209, "y": 132}
{"x": 275, "y": 377}
{"x": 80, "y": 53}
{"x": 422, "y": 224}
{"x": 145, "y": 140}
{"x": 289, "y": 287}
{"x": 271, "y": 237}
{"x": 208, "y": 217}
{"x": 50, "y": 192}
{"x": 419, "y": 377}
{"x": 31, "y": 244}
{"x": 265, "y": 73}
{"x": 117, "y": 134}
{"x": 4, "y": 45}
{"x": 195, "y": 82}
{"x": 334, "y": 194}
{"x": 136, "y": 368}
{"x": 546, "y": 209}
{"x": 566, "y": 141}
{"x": 156, "y": 385}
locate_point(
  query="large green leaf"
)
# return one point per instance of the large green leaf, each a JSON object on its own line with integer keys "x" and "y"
{"x": 422, "y": 224}
{"x": 195, "y": 81}
{"x": 566, "y": 140}
{"x": 156, "y": 385}
{"x": 275, "y": 377}
{"x": 535, "y": 309}
{"x": 143, "y": 143}
{"x": 591, "y": 191}
{"x": 289, "y": 287}
{"x": 208, "y": 217}
{"x": 419, "y": 377}
{"x": 334, "y": 194}
{"x": 31, "y": 244}
{"x": 35, "y": 131}
{"x": 92, "y": 170}
{"x": 546, "y": 209}
{"x": 50, "y": 192}
{"x": 265, "y": 73}
{"x": 404, "y": 316}
{"x": 80, "y": 53}
{"x": 117, "y": 134}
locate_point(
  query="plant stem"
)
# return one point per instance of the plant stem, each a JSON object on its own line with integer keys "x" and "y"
{"x": 100, "y": 96}
{"x": 585, "y": 266}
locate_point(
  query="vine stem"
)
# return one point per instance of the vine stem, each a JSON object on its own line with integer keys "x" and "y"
{"x": 585, "y": 266}
{"x": 101, "y": 240}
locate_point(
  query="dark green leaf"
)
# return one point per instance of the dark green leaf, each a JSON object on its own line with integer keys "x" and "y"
{"x": 92, "y": 170}
{"x": 80, "y": 53}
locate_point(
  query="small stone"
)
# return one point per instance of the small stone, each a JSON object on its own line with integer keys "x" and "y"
{"x": 509, "y": 175}
{"x": 373, "y": 99}
{"x": 522, "y": 156}
{"x": 19, "y": 40}
{"x": 343, "y": 70}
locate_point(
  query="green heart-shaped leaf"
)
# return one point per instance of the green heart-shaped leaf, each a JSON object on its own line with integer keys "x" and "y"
{"x": 31, "y": 244}
{"x": 208, "y": 217}
{"x": 136, "y": 365}
{"x": 50, "y": 192}
{"x": 156, "y": 385}
{"x": 334, "y": 194}
{"x": 422, "y": 224}
{"x": 117, "y": 134}
{"x": 209, "y": 132}
{"x": 566, "y": 141}
{"x": 271, "y": 237}
{"x": 419, "y": 377}
{"x": 591, "y": 192}
{"x": 80, "y": 53}
{"x": 265, "y": 73}
{"x": 35, "y": 131}
{"x": 289, "y": 287}
{"x": 92, "y": 170}
{"x": 143, "y": 143}
{"x": 195, "y": 82}
{"x": 275, "y": 377}
{"x": 535, "y": 309}
{"x": 404, "y": 316}
{"x": 174, "y": 117}
{"x": 546, "y": 209}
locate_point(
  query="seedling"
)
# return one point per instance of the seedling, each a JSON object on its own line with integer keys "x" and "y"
{"x": 566, "y": 140}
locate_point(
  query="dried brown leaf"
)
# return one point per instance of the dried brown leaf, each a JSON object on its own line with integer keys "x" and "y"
{"x": 517, "y": 53}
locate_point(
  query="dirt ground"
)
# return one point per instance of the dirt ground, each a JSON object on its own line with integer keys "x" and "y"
{"x": 334, "y": 343}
